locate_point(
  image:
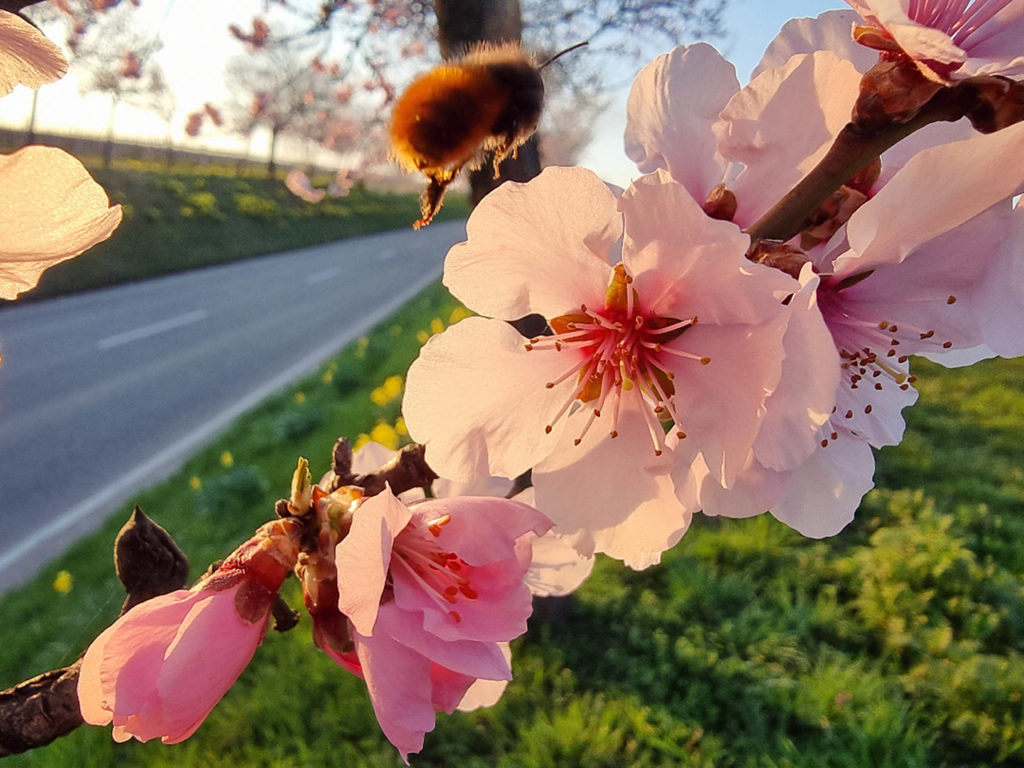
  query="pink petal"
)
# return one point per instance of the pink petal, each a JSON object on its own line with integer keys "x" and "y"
{"x": 363, "y": 557}
{"x": 401, "y": 691}
{"x": 1002, "y": 315}
{"x": 557, "y": 568}
{"x": 483, "y": 529}
{"x": 450, "y": 688}
{"x": 192, "y": 679}
{"x": 995, "y": 49}
{"x": 52, "y": 211}
{"x": 537, "y": 247}
{"x": 27, "y": 57}
{"x": 672, "y": 105}
{"x": 830, "y": 31}
{"x": 685, "y": 264}
{"x": 613, "y": 495}
{"x": 467, "y": 657}
{"x": 758, "y": 128}
{"x": 721, "y": 409}
{"x": 497, "y": 611}
{"x": 478, "y": 400}
{"x": 755, "y": 491}
{"x": 486, "y": 693}
{"x": 936, "y": 191}
{"x": 822, "y": 495}
{"x": 806, "y": 392}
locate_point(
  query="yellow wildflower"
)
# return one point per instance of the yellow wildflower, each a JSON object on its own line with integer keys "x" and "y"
{"x": 63, "y": 582}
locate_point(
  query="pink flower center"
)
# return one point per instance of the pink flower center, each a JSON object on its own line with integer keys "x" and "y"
{"x": 619, "y": 351}
{"x": 870, "y": 349}
{"x": 443, "y": 575}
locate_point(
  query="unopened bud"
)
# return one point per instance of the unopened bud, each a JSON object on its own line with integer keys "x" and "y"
{"x": 892, "y": 91}
{"x": 146, "y": 559}
{"x": 302, "y": 489}
{"x": 721, "y": 203}
{"x": 782, "y": 256}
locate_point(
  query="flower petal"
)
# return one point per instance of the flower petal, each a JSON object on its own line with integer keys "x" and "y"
{"x": 684, "y": 263}
{"x": 822, "y": 495}
{"x": 830, "y": 31}
{"x": 613, "y": 495}
{"x": 937, "y": 190}
{"x": 467, "y": 657}
{"x": 806, "y": 392}
{"x": 192, "y": 680}
{"x": 478, "y": 400}
{"x": 537, "y": 247}
{"x": 363, "y": 556}
{"x": 672, "y": 105}
{"x": 400, "y": 688}
{"x": 52, "y": 211}
{"x": 27, "y": 57}
{"x": 758, "y": 128}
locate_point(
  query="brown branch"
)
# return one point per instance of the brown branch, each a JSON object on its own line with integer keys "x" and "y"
{"x": 852, "y": 151}
{"x": 407, "y": 470}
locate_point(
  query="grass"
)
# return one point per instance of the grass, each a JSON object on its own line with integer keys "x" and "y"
{"x": 897, "y": 644}
{"x": 191, "y": 216}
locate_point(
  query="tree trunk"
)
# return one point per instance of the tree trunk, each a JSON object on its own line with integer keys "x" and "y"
{"x": 461, "y": 24}
{"x": 273, "y": 147}
{"x": 30, "y": 138}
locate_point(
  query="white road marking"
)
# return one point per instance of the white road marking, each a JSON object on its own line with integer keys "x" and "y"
{"x": 323, "y": 275}
{"x": 152, "y": 329}
{"x": 163, "y": 464}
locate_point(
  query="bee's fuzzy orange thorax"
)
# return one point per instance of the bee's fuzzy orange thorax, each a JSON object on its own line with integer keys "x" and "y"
{"x": 444, "y": 117}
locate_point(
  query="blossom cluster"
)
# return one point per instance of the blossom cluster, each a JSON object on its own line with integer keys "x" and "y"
{"x": 419, "y": 601}
{"x": 697, "y": 355}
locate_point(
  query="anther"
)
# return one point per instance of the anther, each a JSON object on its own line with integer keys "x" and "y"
{"x": 951, "y": 300}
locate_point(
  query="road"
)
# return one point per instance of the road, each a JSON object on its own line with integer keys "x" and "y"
{"x": 105, "y": 393}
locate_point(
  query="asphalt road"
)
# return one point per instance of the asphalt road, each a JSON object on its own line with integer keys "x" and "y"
{"x": 104, "y": 393}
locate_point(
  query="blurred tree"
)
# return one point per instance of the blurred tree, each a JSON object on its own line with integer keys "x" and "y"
{"x": 281, "y": 88}
{"x": 382, "y": 44}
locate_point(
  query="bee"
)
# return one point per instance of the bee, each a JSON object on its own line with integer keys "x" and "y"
{"x": 488, "y": 100}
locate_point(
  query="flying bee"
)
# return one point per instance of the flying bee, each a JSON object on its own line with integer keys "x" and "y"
{"x": 488, "y": 100}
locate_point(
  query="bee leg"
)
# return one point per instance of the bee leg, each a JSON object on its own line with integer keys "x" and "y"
{"x": 433, "y": 196}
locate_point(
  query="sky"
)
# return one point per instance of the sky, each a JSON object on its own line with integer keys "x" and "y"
{"x": 196, "y": 44}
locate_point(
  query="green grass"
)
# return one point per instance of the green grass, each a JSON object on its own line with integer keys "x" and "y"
{"x": 897, "y": 644}
{"x": 191, "y": 216}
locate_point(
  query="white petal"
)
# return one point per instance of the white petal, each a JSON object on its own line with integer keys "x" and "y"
{"x": 27, "y": 57}
{"x": 52, "y": 211}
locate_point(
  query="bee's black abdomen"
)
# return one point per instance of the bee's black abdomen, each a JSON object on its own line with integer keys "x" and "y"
{"x": 524, "y": 92}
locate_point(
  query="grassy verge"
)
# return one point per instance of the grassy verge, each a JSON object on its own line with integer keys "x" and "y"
{"x": 191, "y": 217}
{"x": 897, "y": 644}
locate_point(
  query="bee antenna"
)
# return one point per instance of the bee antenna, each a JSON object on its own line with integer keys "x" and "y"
{"x": 563, "y": 52}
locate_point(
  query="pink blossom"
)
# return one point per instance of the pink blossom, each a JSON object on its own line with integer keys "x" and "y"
{"x": 160, "y": 669}
{"x": 298, "y": 184}
{"x": 52, "y": 211}
{"x": 929, "y": 266}
{"x": 748, "y": 138}
{"x": 659, "y": 336}
{"x": 427, "y": 595}
{"x": 948, "y": 40}
{"x": 556, "y": 569}
{"x": 26, "y": 56}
